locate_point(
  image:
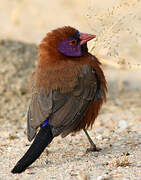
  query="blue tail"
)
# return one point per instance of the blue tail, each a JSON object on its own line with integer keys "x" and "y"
{"x": 42, "y": 139}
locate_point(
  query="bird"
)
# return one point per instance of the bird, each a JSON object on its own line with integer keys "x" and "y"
{"x": 68, "y": 89}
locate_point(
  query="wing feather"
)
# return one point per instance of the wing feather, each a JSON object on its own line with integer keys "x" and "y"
{"x": 40, "y": 107}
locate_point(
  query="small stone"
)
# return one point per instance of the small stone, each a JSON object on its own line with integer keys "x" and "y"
{"x": 27, "y": 171}
{"x": 98, "y": 164}
{"x": 122, "y": 124}
{"x": 117, "y": 102}
{"x": 83, "y": 176}
{"x": 104, "y": 177}
{"x": 99, "y": 137}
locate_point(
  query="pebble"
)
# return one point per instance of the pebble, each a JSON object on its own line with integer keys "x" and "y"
{"x": 99, "y": 137}
{"x": 27, "y": 171}
{"x": 83, "y": 176}
{"x": 122, "y": 124}
{"x": 117, "y": 102}
{"x": 104, "y": 177}
{"x": 98, "y": 164}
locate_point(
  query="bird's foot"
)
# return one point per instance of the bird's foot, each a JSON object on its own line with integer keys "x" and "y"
{"x": 93, "y": 149}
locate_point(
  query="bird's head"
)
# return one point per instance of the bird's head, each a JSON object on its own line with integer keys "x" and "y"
{"x": 65, "y": 42}
{"x": 75, "y": 45}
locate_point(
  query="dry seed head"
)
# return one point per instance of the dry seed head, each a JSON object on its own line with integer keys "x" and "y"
{"x": 117, "y": 29}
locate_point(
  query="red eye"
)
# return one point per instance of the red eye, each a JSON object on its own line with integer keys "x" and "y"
{"x": 73, "y": 42}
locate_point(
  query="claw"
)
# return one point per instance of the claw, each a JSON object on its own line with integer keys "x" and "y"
{"x": 93, "y": 149}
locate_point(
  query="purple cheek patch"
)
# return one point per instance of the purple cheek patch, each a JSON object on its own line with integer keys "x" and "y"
{"x": 70, "y": 50}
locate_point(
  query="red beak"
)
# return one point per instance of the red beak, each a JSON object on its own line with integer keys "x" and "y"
{"x": 84, "y": 38}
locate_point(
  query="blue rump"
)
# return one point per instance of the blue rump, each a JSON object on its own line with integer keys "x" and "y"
{"x": 46, "y": 122}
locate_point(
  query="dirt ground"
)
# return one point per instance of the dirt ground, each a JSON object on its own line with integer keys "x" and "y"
{"x": 117, "y": 130}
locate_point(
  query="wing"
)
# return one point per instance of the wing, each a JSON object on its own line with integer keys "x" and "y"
{"x": 40, "y": 107}
{"x": 64, "y": 110}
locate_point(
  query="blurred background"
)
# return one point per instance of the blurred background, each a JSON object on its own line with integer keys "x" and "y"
{"x": 29, "y": 21}
{"x": 117, "y": 24}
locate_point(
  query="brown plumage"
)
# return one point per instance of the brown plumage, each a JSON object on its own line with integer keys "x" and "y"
{"x": 68, "y": 89}
{"x": 62, "y": 74}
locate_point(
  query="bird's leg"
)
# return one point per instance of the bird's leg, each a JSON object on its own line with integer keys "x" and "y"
{"x": 93, "y": 146}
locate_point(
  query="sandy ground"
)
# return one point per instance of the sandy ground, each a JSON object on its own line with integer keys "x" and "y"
{"x": 117, "y": 130}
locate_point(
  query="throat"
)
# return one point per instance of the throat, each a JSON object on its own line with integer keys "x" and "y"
{"x": 84, "y": 49}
